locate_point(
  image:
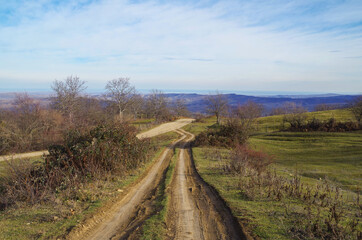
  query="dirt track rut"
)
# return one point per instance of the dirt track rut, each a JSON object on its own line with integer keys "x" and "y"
{"x": 198, "y": 212}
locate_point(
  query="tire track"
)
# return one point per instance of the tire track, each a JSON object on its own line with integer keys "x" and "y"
{"x": 197, "y": 211}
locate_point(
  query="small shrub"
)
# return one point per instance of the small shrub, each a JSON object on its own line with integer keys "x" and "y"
{"x": 243, "y": 157}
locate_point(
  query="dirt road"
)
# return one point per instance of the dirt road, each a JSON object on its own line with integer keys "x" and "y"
{"x": 164, "y": 128}
{"x": 119, "y": 221}
{"x": 188, "y": 218}
{"x": 197, "y": 211}
{"x": 123, "y": 217}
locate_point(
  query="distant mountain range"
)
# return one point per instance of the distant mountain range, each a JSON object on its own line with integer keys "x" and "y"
{"x": 197, "y": 103}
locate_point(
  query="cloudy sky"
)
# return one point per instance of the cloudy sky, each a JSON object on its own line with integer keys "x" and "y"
{"x": 251, "y": 45}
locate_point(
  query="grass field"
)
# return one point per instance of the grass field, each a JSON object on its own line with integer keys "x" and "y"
{"x": 317, "y": 157}
{"x": 336, "y": 157}
{"x": 275, "y": 123}
{"x": 53, "y": 220}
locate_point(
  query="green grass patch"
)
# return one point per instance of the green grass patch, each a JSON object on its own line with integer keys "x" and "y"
{"x": 267, "y": 218}
{"x": 317, "y": 157}
{"x": 200, "y": 126}
{"x": 336, "y": 157}
{"x": 275, "y": 123}
{"x": 257, "y": 216}
{"x": 155, "y": 226}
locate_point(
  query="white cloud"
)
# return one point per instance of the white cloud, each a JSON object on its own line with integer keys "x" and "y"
{"x": 163, "y": 45}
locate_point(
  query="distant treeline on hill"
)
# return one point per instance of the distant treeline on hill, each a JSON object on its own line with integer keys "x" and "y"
{"x": 197, "y": 102}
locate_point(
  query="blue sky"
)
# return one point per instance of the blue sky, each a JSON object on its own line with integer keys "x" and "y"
{"x": 254, "y": 45}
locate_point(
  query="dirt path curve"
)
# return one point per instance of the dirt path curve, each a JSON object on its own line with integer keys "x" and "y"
{"x": 197, "y": 211}
{"x": 166, "y": 127}
{"x": 124, "y": 216}
{"x": 163, "y": 128}
{"x": 23, "y": 155}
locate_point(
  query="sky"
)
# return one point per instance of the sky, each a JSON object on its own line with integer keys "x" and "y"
{"x": 234, "y": 46}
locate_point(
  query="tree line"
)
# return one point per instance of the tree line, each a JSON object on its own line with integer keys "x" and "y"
{"x": 30, "y": 126}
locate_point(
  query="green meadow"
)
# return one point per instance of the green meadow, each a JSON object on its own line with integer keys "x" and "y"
{"x": 318, "y": 158}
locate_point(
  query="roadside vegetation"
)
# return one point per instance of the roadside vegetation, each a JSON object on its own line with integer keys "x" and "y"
{"x": 93, "y": 155}
{"x": 283, "y": 183}
{"x": 66, "y": 208}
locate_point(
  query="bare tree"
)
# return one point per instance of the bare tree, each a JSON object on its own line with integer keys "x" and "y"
{"x": 243, "y": 120}
{"x": 357, "y": 108}
{"x": 121, "y": 92}
{"x": 295, "y": 115}
{"x": 24, "y": 127}
{"x": 179, "y": 108}
{"x": 136, "y": 105}
{"x": 217, "y": 105}
{"x": 325, "y": 107}
{"x": 67, "y": 95}
{"x": 157, "y": 106}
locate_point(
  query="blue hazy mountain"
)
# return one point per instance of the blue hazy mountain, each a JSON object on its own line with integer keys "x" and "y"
{"x": 197, "y": 102}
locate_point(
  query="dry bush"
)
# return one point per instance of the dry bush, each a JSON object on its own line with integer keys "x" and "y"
{"x": 99, "y": 152}
{"x": 24, "y": 182}
{"x": 243, "y": 157}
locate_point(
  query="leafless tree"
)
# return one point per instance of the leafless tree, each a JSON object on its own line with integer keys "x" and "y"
{"x": 217, "y": 105}
{"x": 136, "y": 105}
{"x": 277, "y": 111}
{"x": 121, "y": 92}
{"x": 295, "y": 115}
{"x": 357, "y": 109}
{"x": 179, "y": 108}
{"x": 24, "y": 127}
{"x": 243, "y": 119}
{"x": 157, "y": 106}
{"x": 67, "y": 96}
{"x": 325, "y": 107}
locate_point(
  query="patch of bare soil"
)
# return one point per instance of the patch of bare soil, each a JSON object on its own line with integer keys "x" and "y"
{"x": 196, "y": 209}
